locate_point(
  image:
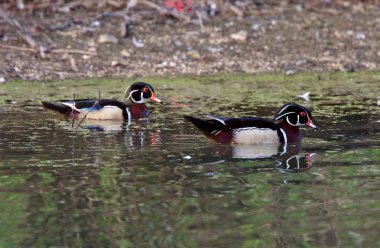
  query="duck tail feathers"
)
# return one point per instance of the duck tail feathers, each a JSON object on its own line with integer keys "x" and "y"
{"x": 208, "y": 127}
{"x": 61, "y": 108}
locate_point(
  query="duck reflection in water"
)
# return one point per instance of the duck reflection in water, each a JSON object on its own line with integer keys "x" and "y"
{"x": 286, "y": 157}
{"x": 110, "y": 125}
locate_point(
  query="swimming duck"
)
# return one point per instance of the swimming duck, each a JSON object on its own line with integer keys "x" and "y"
{"x": 109, "y": 109}
{"x": 284, "y": 128}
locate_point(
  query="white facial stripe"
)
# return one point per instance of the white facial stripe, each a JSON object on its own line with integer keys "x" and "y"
{"x": 133, "y": 100}
{"x": 287, "y": 119}
{"x": 130, "y": 94}
{"x": 284, "y": 115}
{"x": 283, "y": 108}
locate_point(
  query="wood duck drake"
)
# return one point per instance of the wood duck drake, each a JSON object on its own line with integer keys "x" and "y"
{"x": 284, "y": 128}
{"x": 109, "y": 109}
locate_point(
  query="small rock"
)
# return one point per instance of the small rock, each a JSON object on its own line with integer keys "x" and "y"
{"x": 4, "y": 38}
{"x": 290, "y": 72}
{"x": 20, "y": 5}
{"x": 125, "y": 53}
{"x": 92, "y": 49}
{"x": 256, "y": 27}
{"x": 137, "y": 43}
{"x": 213, "y": 9}
{"x": 360, "y": 36}
{"x": 299, "y": 8}
{"x": 193, "y": 54}
{"x": 214, "y": 49}
{"x": 172, "y": 64}
{"x": 107, "y": 38}
{"x": 115, "y": 63}
{"x": 95, "y": 24}
{"x": 86, "y": 57}
{"x": 91, "y": 43}
{"x": 162, "y": 65}
{"x": 178, "y": 43}
{"x": 240, "y": 36}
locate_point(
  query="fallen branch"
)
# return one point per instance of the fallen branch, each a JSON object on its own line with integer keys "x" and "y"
{"x": 19, "y": 29}
{"x": 35, "y": 50}
{"x": 92, "y": 107}
{"x": 234, "y": 10}
{"x": 200, "y": 21}
{"x": 73, "y": 51}
{"x": 23, "y": 49}
{"x": 72, "y": 111}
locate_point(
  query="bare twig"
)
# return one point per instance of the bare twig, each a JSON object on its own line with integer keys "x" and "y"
{"x": 34, "y": 50}
{"x": 92, "y": 107}
{"x": 72, "y": 111}
{"x": 235, "y": 10}
{"x": 73, "y": 51}
{"x": 200, "y": 21}
{"x": 19, "y": 29}
{"x": 23, "y": 49}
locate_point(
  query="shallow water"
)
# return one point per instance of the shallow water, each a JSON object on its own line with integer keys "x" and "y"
{"x": 160, "y": 183}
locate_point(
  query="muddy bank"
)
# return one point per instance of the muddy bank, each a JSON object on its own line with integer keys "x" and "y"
{"x": 274, "y": 38}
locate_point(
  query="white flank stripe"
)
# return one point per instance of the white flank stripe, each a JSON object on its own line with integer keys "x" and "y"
{"x": 284, "y": 115}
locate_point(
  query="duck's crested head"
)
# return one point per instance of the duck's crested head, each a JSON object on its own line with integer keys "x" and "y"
{"x": 140, "y": 92}
{"x": 295, "y": 115}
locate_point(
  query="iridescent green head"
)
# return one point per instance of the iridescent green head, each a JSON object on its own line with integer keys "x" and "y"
{"x": 140, "y": 92}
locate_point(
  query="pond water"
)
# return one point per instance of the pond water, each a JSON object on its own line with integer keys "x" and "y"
{"x": 161, "y": 183}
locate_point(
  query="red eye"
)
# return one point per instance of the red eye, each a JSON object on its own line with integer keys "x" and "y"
{"x": 145, "y": 90}
{"x": 302, "y": 114}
